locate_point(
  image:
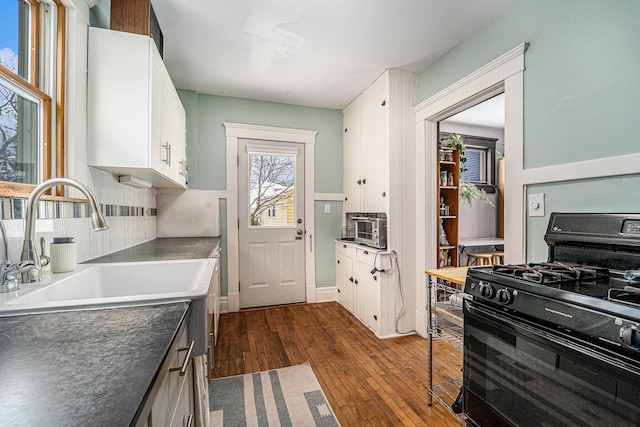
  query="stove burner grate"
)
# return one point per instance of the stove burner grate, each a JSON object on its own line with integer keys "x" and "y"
{"x": 549, "y": 273}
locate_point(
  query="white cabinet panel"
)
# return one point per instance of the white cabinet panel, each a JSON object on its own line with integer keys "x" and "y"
{"x": 136, "y": 119}
{"x": 366, "y": 153}
{"x": 358, "y": 289}
{"x": 379, "y": 153}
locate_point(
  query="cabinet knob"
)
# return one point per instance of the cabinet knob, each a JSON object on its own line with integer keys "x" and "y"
{"x": 351, "y": 279}
{"x": 356, "y": 281}
{"x": 359, "y": 182}
{"x": 375, "y": 278}
{"x": 366, "y": 252}
{"x": 338, "y": 261}
{"x": 364, "y": 181}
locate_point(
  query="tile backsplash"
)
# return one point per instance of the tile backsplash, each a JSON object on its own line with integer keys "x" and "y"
{"x": 130, "y": 213}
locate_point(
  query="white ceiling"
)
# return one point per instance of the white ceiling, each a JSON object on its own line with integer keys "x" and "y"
{"x": 489, "y": 113}
{"x": 319, "y": 53}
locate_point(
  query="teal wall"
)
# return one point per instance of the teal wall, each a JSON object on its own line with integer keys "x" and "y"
{"x": 581, "y": 94}
{"x": 206, "y": 151}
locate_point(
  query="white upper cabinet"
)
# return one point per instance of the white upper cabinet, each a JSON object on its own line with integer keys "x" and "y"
{"x": 366, "y": 149}
{"x": 137, "y": 124}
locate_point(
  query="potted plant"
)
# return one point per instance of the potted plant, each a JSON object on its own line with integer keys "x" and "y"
{"x": 468, "y": 190}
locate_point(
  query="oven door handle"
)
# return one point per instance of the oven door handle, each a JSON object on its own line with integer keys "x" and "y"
{"x": 495, "y": 316}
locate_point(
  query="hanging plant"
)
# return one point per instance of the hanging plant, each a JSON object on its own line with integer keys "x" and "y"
{"x": 468, "y": 190}
{"x": 456, "y": 142}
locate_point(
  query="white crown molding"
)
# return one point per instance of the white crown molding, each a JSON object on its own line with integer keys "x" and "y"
{"x": 240, "y": 130}
{"x": 515, "y": 55}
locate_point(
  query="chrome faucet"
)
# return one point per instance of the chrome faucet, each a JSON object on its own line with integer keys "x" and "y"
{"x": 29, "y": 250}
{"x": 8, "y": 269}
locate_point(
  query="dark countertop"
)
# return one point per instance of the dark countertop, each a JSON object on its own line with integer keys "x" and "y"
{"x": 174, "y": 248}
{"x": 83, "y": 368}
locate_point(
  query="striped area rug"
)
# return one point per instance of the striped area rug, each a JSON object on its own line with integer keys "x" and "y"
{"x": 281, "y": 397}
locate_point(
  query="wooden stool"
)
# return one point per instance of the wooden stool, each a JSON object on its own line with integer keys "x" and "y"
{"x": 497, "y": 258}
{"x": 479, "y": 259}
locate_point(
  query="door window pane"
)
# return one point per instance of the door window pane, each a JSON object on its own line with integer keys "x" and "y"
{"x": 271, "y": 190}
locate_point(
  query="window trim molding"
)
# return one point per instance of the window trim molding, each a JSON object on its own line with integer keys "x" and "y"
{"x": 30, "y": 86}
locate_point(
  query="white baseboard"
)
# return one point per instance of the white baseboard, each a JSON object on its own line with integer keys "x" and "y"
{"x": 327, "y": 294}
{"x": 224, "y": 305}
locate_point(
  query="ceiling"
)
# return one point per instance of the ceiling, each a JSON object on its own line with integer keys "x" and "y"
{"x": 489, "y": 113}
{"x": 319, "y": 53}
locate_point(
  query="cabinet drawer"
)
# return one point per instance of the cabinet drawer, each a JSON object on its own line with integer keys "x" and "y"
{"x": 366, "y": 255}
{"x": 345, "y": 249}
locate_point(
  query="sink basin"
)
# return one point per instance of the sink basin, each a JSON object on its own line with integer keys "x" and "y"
{"x": 94, "y": 285}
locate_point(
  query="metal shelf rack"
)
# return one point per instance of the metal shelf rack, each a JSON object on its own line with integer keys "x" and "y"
{"x": 445, "y": 321}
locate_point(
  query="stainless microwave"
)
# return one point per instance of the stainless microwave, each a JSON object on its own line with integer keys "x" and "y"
{"x": 370, "y": 231}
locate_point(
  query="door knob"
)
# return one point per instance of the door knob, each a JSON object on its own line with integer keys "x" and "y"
{"x": 299, "y": 232}
{"x": 299, "y": 221}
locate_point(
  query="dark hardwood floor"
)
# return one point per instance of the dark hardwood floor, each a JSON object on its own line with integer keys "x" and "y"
{"x": 369, "y": 382}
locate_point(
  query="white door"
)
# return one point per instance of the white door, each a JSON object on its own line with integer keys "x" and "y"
{"x": 271, "y": 223}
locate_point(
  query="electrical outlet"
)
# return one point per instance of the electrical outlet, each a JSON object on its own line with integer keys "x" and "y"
{"x": 327, "y": 208}
{"x": 536, "y": 204}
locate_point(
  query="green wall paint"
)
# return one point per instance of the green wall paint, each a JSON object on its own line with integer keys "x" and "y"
{"x": 206, "y": 151}
{"x": 615, "y": 194}
{"x": 581, "y": 93}
{"x": 331, "y": 224}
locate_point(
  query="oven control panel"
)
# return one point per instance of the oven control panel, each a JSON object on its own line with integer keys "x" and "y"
{"x": 492, "y": 292}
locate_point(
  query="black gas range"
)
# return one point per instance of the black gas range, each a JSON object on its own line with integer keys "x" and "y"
{"x": 558, "y": 342}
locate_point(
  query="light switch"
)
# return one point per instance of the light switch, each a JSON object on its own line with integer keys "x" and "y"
{"x": 536, "y": 204}
{"x": 327, "y": 208}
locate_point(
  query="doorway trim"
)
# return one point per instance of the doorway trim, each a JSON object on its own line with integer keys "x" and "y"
{"x": 503, "y": 74}
{"x": 234, "y": 132}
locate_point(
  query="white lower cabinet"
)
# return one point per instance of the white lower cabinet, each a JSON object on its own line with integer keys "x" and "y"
{"x": 174, "y": 402}
{"x": 358, "y": 289}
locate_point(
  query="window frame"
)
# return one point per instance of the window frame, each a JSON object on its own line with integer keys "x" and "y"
{"x": 484, "y": 144}
{"x": 52, "y": 117}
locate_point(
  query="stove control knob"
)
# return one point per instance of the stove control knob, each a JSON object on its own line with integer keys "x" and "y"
{"x": 504, "y": 296}
{"x": 486, "y": 290}
{"x": 630, "y": 336}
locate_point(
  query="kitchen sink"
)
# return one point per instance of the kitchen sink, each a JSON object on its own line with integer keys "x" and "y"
{"x": 115, "y": 284}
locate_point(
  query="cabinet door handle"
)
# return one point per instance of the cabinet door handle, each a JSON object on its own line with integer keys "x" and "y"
{"x": 190, "y": 420}
{"x": 351, "y": 279}
{"x": 163, "y": 152}
{"x": 187, "y": 358}
{"x": 169, "y": 156}
{"x": 366, "y": 252}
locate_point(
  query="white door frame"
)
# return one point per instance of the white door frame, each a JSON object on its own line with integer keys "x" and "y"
{"x": 504, "y": 74}
{"x": 234, "y": 132}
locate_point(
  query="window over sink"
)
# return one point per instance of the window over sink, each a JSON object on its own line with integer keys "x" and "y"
{"x": 32, "y": 73}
